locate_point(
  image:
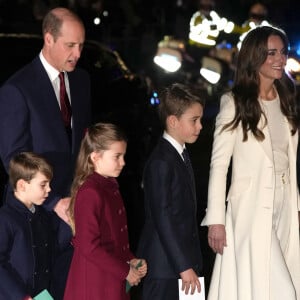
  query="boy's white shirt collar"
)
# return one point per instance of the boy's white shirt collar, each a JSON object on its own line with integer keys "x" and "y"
{"x": 174, "y": 143}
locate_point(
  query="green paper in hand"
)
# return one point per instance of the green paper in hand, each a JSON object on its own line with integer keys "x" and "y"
{"x": 43, "y": 295}
{"x": 128, "y": 286}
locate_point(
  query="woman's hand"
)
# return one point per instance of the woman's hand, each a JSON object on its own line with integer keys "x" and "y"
{"x": 217, "y": 237}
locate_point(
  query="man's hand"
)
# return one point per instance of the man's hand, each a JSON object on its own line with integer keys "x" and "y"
{"x": 217, "y": 238}
{"x": 61, "y": 209}
{"x": 190, "y": 282}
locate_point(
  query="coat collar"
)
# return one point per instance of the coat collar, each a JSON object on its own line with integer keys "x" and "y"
{"x": 16, "y": 204}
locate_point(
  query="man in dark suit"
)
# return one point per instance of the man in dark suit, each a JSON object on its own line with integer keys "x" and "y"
{"x": 31, "y": 116}
{"x": 169, "y": 241}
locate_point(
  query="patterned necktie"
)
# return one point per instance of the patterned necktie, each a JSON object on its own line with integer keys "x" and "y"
{"x": 65, "y": 106}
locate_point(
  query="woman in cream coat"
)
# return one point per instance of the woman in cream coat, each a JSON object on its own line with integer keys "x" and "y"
{"x": 256, "y": 234}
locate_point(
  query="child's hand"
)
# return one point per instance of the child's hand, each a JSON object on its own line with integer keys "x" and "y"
{"x": 141, "y": 266}
{"x": 190, "y": 281}
{"x": 133, "y": 277}
{"x": 61, "y": 209}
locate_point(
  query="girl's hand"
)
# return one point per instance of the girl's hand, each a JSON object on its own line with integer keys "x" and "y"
{"x": 139, "y": 265}
{"x": 133, "y": 277}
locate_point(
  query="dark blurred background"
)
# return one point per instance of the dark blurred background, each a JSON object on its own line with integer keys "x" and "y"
{"x": 134, "y": 27}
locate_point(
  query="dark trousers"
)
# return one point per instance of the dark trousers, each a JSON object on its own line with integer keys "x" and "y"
{"x": 160, "y": 289}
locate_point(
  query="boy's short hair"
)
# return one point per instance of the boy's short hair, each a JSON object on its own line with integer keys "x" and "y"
{"x": 25, "y": 165}
{"x": 176, "y": 99}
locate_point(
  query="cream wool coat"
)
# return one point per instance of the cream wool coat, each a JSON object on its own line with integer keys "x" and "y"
{"x": 243, "y": 271}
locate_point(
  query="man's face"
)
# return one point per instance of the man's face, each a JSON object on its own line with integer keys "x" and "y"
{"x": 64, "y": 52}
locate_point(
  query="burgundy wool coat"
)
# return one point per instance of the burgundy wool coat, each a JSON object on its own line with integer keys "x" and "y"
{"x": 101, "y": 249}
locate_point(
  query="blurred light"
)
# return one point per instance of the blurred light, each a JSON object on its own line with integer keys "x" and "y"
{"x": 207, "y": 30}
{"x": 211, "y": 69}
{"x": 298, "y": 49}
{"x": 292, "y": 65}
{"x": 168, "y": 59}
{"x": 201, "y": 38}
{"x": 97, "y": 21}
{"x": 265, "y": 23}
{"x": 170, "y": 42}
{"x": 229, "y": 27}
{"x": 210, "y": 76}
{"x": 251, "y": 25}
{"x": 154, "y": 99}
{"x": 105, "y": 13}
{"x": 224, "y": 45}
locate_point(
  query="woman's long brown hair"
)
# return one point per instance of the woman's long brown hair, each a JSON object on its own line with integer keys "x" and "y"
{"x": 252, "y": 55}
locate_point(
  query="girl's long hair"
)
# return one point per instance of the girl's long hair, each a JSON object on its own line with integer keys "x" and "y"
{"x": 98, "y": 138}
{"x": 252, "y": 55}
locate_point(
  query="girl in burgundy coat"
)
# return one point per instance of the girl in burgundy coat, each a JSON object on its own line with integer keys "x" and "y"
{"x": 102, "y": 261}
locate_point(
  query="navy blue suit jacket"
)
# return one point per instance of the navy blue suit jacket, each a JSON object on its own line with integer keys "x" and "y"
{"x": 169, "y": 241}
{"x": 30, "y": 120}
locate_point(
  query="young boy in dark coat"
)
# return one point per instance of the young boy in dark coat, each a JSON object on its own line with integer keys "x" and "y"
{"x": 169, "y": 241}
{"x": 26, "y": 237}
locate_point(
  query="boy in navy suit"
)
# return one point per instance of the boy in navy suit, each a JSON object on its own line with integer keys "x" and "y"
{"x": 169, "y": 240}
{"x": 26, "y": 237}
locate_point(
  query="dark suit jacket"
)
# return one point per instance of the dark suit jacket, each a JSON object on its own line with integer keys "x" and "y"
{"x": 169, "y": 240}
{"x": 30, "y": 120}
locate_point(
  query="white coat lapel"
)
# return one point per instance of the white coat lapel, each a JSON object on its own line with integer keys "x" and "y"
{"x": 266, "y": 143}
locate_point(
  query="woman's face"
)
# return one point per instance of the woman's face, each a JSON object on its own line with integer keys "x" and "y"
{"x": 273, "y": 67}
